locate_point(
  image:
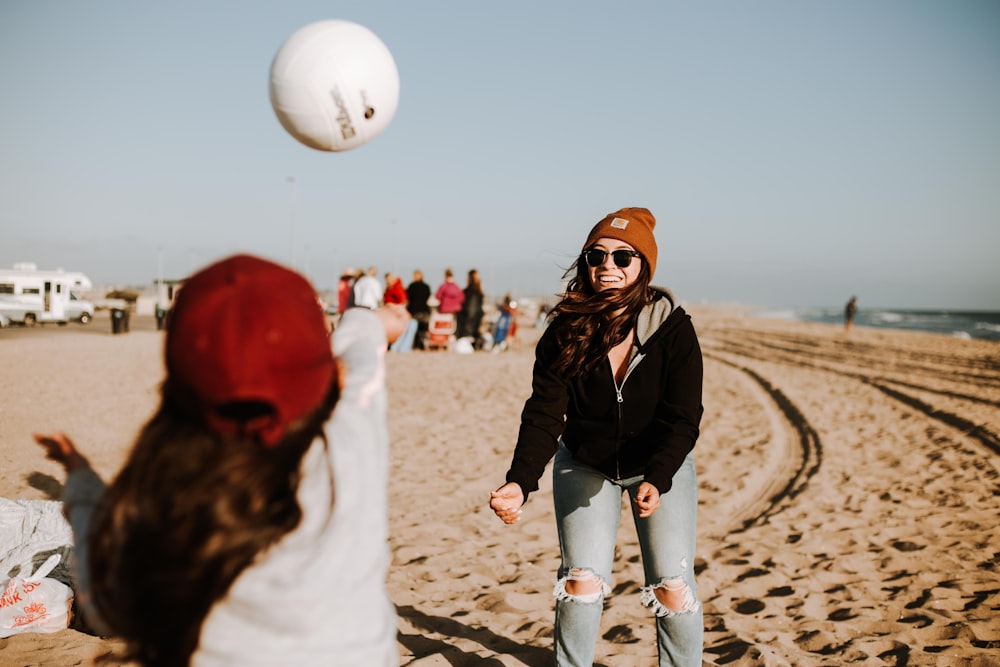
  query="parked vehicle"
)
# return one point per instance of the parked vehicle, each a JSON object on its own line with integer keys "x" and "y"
{"x": 29, "y": 296}
{"x": 79, "y": 310}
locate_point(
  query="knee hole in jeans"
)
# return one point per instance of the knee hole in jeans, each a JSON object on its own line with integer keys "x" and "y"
{"x": 670, "y": 597}
{"x": 581, "y": 585}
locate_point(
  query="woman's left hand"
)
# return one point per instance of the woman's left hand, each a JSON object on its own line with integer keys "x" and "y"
{"x": 59, "y": 448}
{"x": 647, "y": 499}
{"x": 394, "y": 317}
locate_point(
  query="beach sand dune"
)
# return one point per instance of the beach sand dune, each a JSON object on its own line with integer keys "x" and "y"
{"x": 848, "y": 489}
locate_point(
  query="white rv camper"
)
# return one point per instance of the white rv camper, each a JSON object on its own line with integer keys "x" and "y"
{"x": 30, "y": 296}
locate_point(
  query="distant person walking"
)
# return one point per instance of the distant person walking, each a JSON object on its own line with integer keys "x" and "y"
{"x": 849, "y": 311}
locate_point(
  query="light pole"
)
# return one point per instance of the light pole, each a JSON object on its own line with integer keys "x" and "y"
{"x": 395, "y": 247}
{"x": 291, "y": 179}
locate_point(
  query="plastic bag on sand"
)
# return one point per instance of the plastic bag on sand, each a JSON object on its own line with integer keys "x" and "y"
{"x": 30, "y": 532}
{"x": 36, "y": 603}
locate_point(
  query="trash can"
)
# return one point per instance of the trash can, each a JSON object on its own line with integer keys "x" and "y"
{"x": 119, "y": 320}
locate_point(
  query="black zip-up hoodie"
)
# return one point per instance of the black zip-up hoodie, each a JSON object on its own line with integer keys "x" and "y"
{"x": 646, "y": 426}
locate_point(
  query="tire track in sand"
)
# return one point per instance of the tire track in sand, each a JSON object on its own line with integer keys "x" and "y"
{"x": 795, "y": 451}
{"x": 889, "y": 556}
{"x": 940, "y": 375}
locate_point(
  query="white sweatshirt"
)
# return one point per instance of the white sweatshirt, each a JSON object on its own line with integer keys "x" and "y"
{"x": 318, "y": 597}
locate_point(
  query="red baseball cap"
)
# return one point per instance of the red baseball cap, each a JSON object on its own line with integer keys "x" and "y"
{"x": 246, "y": 331}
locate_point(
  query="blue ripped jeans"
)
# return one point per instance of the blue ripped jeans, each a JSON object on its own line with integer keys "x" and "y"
{"x": 588, "y": 509}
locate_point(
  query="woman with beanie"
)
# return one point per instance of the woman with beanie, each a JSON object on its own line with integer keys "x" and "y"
{"x": 248, "y": 525}
{"x": 616, "y": 399}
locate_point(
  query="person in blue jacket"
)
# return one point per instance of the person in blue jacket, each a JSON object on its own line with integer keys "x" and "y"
{"x": 617, "y": 401}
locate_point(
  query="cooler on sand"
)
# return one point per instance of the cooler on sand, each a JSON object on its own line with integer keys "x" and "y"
{"x": 441, "y": 331}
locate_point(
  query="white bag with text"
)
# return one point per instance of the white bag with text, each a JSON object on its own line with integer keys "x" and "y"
{"x": 36, "y": 603}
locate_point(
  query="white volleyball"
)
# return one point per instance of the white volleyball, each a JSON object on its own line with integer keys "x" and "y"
{"x": 334, "y": 85}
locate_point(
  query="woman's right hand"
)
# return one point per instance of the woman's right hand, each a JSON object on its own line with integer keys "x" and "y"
{"x": 506, "y": 502}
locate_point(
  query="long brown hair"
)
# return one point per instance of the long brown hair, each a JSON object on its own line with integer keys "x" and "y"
{"x": 188, "y": 512}
{"x": 475, "y": 282}
{"x": 587, "y": 324}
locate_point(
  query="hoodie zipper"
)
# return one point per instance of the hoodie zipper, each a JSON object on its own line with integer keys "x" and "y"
{"x": 621, "y": 417}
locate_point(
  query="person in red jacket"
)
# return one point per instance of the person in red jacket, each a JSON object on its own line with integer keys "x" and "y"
{"x": 345, "y": 290}
{"x": 616, "y": 399}
{"x": 395, "y": 291}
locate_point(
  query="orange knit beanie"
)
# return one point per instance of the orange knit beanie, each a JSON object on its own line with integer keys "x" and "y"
{"x": 634, "y": 226}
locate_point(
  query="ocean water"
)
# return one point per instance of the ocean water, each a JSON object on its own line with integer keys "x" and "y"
{"x": 959, "y": 323}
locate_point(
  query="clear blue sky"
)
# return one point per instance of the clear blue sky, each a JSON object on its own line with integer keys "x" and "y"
{"x": 794, "y": 153}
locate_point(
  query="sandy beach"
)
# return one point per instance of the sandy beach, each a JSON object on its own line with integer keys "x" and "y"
{"x": 849, "y": 494}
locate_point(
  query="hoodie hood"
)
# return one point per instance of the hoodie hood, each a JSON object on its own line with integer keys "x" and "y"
{"x": 653, "y": 315}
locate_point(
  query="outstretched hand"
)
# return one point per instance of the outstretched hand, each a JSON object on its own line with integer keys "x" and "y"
{"x": 394, "y": 317}
{"x": 506, "y": 502}
{"x": 59, "y": 448}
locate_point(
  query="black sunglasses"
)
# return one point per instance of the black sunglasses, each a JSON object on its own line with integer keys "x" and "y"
{"x": 595, "y": 257}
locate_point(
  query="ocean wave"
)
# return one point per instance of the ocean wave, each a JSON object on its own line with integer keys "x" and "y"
{"x": 786, "y": 314}
{"x": 960, "y": 324}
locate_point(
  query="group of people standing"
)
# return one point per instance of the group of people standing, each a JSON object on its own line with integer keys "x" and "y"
{"x": 465, "y": 305}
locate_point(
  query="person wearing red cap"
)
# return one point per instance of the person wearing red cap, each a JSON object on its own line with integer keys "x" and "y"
{"x": 249, "y": 523}
{"x": 616, "y": 399}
